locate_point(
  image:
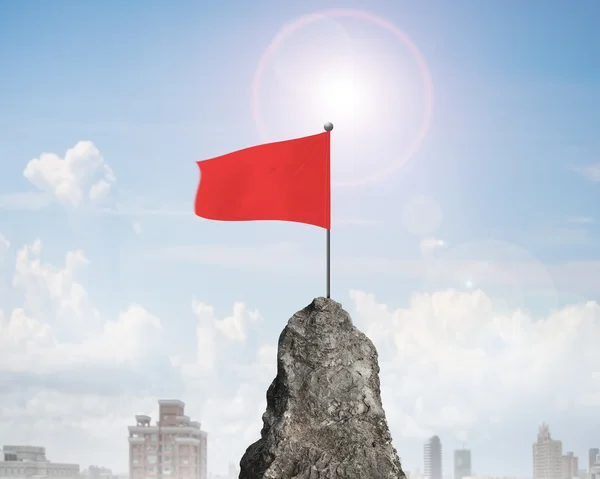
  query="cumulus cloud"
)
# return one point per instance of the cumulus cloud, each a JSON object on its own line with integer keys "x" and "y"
{"x": 51, "y": 290}
{"x": 81, "y": 173}
{"x": 480, "y": 365}
{"x": 58, "y": 328}
{"x": 212, "y": 332}
{"x": 70, "y": 374}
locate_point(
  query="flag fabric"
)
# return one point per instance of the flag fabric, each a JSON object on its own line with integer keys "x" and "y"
{"x": 284, "y": 181}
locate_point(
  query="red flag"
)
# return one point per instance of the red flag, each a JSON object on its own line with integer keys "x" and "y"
{"x": 285, "y": 181}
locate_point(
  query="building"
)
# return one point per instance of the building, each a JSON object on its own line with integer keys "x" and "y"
{"x": 570, "y": 466}
{"x": 547, "y": 456}
{"x": 594, "y": 464}
{"x": 174, "y": 448}
{"x": 30, "y": 461}
{"x": 95, "y": 472}
{"x": 593, "y": 458}
{"x": 432, "y": 453}
{"x": 462, "y": 463}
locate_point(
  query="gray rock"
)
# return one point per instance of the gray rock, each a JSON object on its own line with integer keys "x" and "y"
{"x": 324, "y": 418}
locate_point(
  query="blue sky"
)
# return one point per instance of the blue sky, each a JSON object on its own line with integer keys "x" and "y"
{"x": 501, "y": 198}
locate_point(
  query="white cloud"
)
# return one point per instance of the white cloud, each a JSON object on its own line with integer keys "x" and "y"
{"x": 590, "y": 172}
{"x": 137, "y": 227}
{"x": 44, "y": 285}
{"x": 234, "y": 326}
{"x": 480, "y": 365}
{"x": 99, "y": 190}
{"x": 67, "y": 178}
{"x": 212, "y": 331}
{"x": 77, "y": 386}
{"x": 58, "y": 327}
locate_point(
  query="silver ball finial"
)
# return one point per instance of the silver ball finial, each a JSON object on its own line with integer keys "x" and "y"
{"x": 328, "y": 126}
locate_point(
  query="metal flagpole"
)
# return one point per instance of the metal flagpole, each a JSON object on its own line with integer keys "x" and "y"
{"x": 328, "y": 263}
{"x": 328, "y": 127}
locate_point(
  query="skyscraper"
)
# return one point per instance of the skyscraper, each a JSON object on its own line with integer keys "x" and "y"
{"x": 433, "y": 458}
{"x": 547, "y": 456}
{"x": 462, "y": 463}
{"x": 570, "y": 466}
{"x": 175, "y": 448}
{"x": 593, "y": 454}
{"x": 594, "y": 463}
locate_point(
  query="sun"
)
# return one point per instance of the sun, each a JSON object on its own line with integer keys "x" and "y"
{"x": 358, "y": 71}
{"x": 339, "y": 95}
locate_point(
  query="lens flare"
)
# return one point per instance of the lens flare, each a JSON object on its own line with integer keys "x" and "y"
{"x": 342, "y": 94}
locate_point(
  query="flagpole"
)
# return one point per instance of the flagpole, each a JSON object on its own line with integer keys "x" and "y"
{"x": 328, "y": 127}
{"x": 328, "y": 263}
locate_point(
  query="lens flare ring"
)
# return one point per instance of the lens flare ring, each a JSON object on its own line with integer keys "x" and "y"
{"x": 381, "y": 22}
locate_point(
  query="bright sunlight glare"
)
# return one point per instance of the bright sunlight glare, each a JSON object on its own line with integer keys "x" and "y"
{"x": 359, "y": 73}
{"x": 340, "y": 96}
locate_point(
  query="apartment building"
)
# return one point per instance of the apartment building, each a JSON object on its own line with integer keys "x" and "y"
{"x": 173, "y": 448}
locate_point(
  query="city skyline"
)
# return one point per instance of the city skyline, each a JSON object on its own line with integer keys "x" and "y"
{"x": 548, "y": 462}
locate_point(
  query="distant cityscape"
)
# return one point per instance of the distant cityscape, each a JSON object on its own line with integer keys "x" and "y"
{"x": 548, "y": 461}
{"x": 175, "y": 447}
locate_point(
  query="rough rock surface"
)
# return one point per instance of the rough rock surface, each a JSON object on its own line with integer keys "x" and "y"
{"x": 324, "y": 418}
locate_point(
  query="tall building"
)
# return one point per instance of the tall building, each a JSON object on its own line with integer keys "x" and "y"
{"x": 432, "y": 453}
{"x": 462, "y": 463}
{"x": 593, "y": 457}
{"x": 30, "y": 461}
{"x": 594, "y": 463}
{"x": 174, "y": 448}
{"x": 547, "y": 456}
{"x": 570, "y": 467}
